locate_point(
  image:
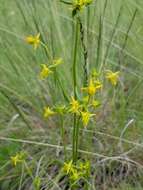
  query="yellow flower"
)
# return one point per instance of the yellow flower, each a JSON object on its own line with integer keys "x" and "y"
{"x": 33, "y": 40}
{"x": 17, "y": 158}
{"x": 78, "y": 5}
{"x": 98, "y": 85}
{"x": 74, "y": 105}
{"x": 48, "y": 112}
{"x": 45, "y": 71}
{"x": 75, "y": 175}
{"x": 81, "y": 3}
{"x": 57, "y": 61}
{"x": 92, "y": 88}
{"x": 85, "y": 115}
{"x": 84, "y": 166}
{"x": 113, "y": 77}
{"x": 68, "y": 167}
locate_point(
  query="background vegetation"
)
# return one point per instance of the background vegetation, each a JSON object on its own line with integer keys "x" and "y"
{"x": 113, "y": 37}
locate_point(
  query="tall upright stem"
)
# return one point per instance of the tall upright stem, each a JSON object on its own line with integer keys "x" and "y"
{"x": 76, "y": 35}
{"x": 75, "y": 58}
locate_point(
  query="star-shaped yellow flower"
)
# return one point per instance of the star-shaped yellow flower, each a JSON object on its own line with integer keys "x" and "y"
{"x": 33, "y": 40}
{"x": 84, "y": 165}
{"x": 17, "y": 158}
{"x": 74, "y": 105}
{"x": 48, "y": 112}
{"x": 68, "y": 167}
{"x": 45, "y": 71}
{"x": 81, "y": 3}
{"x": 86, "y": 115}
{"x": 92, "y": 88}
{"x": 75, "y": 175}
{"x": 113, "y": 77}
{"x": 78, "y": 5}
{"x": 57, "y": 61}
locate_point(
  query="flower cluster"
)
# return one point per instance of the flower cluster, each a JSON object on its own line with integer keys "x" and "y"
{"x": 18, "y": 158}
{"x": 78, "y": 5}
{"x": 80, "y": 107}
{"x": 76, "y": 171}
{"x": 46, "y": 69}
{"x": 84, "y": 107}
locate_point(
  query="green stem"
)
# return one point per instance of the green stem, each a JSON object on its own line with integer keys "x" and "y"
{"x": 76, "y": 139}
{"x": 75, "y": 58}
{"x": 75, "y": 88}
{"x": 47, "y": 50}
{"x": 56, "y": 74}
{"x": 63, "y": 135}
{"x": 74, "y": 135}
